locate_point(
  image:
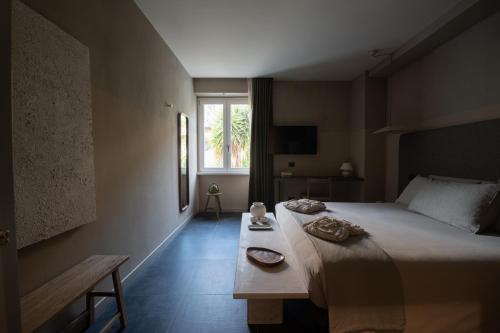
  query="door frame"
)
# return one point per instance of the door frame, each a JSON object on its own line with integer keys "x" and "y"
{"x": 9, "y": 302}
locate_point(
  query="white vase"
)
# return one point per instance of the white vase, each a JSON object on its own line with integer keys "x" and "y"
{"x": 258, "y": 210}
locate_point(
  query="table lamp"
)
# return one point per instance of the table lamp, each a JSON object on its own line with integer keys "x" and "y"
{"x": 346, "y": 169}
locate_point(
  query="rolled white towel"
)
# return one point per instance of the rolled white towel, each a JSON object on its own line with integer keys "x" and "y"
{"x": 331, "y": 229}
{"x": 305, "y": 206}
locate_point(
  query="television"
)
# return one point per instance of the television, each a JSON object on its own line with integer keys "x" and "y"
{"x": 294, "y": 140}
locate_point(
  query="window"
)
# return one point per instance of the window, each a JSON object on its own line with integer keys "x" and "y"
{"x": 224, "y": 135}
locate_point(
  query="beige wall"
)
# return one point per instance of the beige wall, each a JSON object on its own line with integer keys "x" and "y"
{"x": 375, "y": 118}
{"x": 367, "y": 150}
{"x": 234, "y": 190}
{"x": 133, "y": 73}
{"x": 323, "y": 104}
{"x": 357, "y": 125}
{"x": 220, "y": 85}
{"x": 457, "y": 83}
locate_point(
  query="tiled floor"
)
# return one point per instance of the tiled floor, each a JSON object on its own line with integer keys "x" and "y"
{"x": 187, "y": 287}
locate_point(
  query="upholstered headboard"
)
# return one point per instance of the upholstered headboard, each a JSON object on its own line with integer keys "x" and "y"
{"x": 464, "y": 151}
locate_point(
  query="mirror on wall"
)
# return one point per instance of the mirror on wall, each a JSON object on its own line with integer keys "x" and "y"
{"x": 183, "y": 160}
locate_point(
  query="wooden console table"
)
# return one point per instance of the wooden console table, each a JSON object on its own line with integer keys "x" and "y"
{"x": 330, "y": 188}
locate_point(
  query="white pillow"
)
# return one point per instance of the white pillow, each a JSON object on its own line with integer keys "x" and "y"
{"x": 411, "y": 190}
{"x": 460, "y": 180}
{"x": 465, "y": 206}
{"x": 473, "y": 181}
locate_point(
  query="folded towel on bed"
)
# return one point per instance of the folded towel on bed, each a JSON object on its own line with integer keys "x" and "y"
{"x": 332, "y": 229}
{"x": 305, "y": 206}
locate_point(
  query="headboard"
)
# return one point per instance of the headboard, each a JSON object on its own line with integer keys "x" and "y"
{"x": 464, "y": 151}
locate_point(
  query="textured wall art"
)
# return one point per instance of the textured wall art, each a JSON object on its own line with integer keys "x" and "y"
{"x": 52, "y": 129}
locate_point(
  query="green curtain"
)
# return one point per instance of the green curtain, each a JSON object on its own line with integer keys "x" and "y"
{"x": 261, "y": 160}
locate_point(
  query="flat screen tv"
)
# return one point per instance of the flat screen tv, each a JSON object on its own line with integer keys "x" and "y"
{"x": 294, "y": 140}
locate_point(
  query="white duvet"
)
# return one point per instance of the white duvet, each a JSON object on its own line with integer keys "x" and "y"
{"x": 450, "y": 277}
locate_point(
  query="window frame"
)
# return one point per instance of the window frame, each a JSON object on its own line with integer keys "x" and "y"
{"x": 226, "y": 167}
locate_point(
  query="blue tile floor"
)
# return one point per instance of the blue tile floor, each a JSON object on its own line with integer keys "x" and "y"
{"x": 187, "y": 287}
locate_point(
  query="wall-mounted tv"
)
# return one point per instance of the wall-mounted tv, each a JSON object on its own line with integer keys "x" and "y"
{"x": 294, "y": 140}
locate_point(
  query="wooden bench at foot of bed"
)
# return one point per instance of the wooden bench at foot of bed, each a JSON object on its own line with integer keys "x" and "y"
{"x": 265, "y": 288}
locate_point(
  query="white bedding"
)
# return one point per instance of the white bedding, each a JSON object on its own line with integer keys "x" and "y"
{"x": 450, "y": 277}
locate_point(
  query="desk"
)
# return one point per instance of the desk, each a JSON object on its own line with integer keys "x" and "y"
{"x": 328, "y": 188}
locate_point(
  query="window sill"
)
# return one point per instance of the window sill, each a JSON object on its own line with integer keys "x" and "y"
{"x": 223, "y": 173}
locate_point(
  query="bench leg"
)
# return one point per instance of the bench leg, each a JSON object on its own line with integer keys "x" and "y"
{"x": 265, "y": 311}
{"x": 206, "y": 204}
{"x": 219, "y": 208}
{"x": 91, "y": 308}
{"x": 120, "y": 302}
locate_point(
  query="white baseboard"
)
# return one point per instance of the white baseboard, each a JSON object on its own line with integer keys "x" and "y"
{"x": 225, "y": 210}
{"x": 163, "y": 242}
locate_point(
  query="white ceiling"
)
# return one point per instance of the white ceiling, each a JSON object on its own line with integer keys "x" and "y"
{"x": 287, "y": 39}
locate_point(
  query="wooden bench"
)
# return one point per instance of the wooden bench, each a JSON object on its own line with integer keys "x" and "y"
{"x": 46, "y": 302}
{"x": 266, "y": 288}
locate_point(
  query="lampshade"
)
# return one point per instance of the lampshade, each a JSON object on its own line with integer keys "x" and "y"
{"x": 346, "y": 166}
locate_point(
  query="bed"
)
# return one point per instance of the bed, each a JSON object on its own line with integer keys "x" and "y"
{"x": 431, "y": 276}
{"x": 450, "y": 278}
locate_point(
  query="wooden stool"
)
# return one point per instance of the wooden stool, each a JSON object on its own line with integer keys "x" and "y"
{"x": 218, "y": 209}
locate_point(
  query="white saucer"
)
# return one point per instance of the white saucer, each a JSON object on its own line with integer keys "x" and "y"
{"x": 263, "y": 220}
